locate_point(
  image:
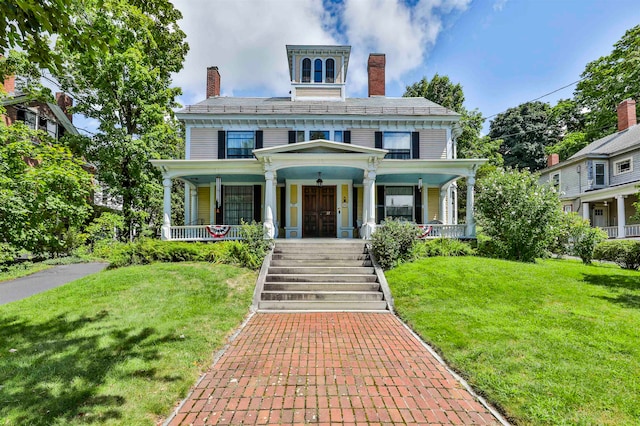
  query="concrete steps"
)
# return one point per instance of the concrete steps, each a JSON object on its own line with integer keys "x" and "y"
{"x": 321, "y": 276}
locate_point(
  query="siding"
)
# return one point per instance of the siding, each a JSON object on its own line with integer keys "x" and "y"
{"x": 434, "y": 203}
{"x": 324, "y": 92}
{"x": 433, "y": 144}
{"x": 363, "y": 137}
{"x": 203, "y": 204}
{"x": 275, "y": 137}
{"x": 626, "y": 177}
{"x": 204, "y": 144}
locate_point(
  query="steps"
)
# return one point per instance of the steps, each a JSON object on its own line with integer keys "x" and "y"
{"x": 316, "y": 275}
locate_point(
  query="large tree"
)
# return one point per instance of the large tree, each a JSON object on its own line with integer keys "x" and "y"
{"x": 440, "y": 89}
{"x": 526, "y": 130}
{"x": 609, "y": 80}
{"x": 128, "y": 91}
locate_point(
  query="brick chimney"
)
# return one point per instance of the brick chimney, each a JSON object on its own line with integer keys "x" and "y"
{"x": 553, "y": 159}
{"x": 626, "y": 114}
{"x": 65, "y": 102}
{"x": 9, "y": 85}
{"x": 213, "y": 82}
{"x": 375, "y": 69}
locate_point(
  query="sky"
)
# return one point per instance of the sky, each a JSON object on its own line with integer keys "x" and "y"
{"x": 502, "y": 52}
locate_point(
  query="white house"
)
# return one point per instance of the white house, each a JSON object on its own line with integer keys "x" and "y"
{"x": 318, "y": 163}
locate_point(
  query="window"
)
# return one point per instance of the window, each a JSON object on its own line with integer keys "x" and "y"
{"x": 600, "y": 176}
{"x": 240, "y": 144}
{"x": 52, "y": 129}
{"x": 28, "y": 117}
{"x": 237, "y": 204}
{"x": 300, "y": 136}
{"x": 330, "y": 73}
{"x": 317, "y": 71}
{"x": 398, "y": 144}
{"x": 555, "y": 181}
{"x": 568, "y": 208}
{"x": 338, "y": 136}
{"x": 623, "y": 166}
{"x": 306, "y": 70}
{"x": 398, "y": 202}
{"x": 318, "y": 134}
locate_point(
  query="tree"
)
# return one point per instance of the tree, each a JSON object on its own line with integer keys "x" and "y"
{"x": 569, "y": 145}
{"x": 526, "y": 130}
{"x": 517, "y": 213}
{"x": 440, "y": 90}
{"x": 609, "y": 80}
{"x": 128, "y": 91}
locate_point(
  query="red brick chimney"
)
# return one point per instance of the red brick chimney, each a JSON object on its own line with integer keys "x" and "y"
{"x": 213, "y": 82}
{"x": 626, "y": 114}
{"x": 65, "y": 102}
{"x": 553, "y": 159}
{"x": 375, "y": 68}
{"x": 9, "y": 85}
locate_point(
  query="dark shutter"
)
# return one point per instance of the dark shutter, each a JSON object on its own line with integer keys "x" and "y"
{"x": 380, "y": 203}
{"x": 354, "y": 209}
{"x": 259, "y": 142}
{"x": 417, "y": 202}
{"x": 415, "y": 145}
{"x": 292, "y": 136}
{"x": 257, "y": 203}
{"x": 282, "y": 211}
{"x": 346, "y": 136}
{"x": 379, "y": 140}
{"x": 219, "y": 216}
{"x": 222, "y": 144}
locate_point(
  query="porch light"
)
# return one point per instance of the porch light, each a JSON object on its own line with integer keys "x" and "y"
{"x": 319, "y": 180}
{"x": 420, "y": 184}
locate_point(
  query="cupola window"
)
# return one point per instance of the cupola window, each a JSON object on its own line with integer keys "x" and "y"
{"x": 330, "y": 71}
{"x": 306, "y": 70}
{"x": 317, "y": 71}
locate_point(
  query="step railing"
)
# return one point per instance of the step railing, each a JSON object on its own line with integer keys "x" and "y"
{"x": 205, "y": 232}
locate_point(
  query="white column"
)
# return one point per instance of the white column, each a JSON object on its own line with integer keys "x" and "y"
{"x": 194, "y": 205}
{"x": 621, "y": 216}
{"x": 443, "y": 205}
{"x": 166, "y": 210}
{"x": 365, "y": 205}
{"x": 269, "y": 197}
{"x": 471, "y": 226}
{"x": 585, "y": 211}
{"x": 370, "y": 202}
{"x": 187, "y": 203}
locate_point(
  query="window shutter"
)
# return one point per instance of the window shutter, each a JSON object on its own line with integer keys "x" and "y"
{"x": 292, "y": 136}
{"x": 219, "y": 215}
{"x": 415, "y": 145}
{"x": 282, "y": 211}
{"x": 257, "y": 203}
{"x": 354, "y": 207}
{"x": 380, "y": 203}
{"x": 417, "y": 202}
{"x": 346, "y": 136}
{"x": 222, "y": 144}
{"x": 259, "y": 139}
{"x": 379, "y": 140}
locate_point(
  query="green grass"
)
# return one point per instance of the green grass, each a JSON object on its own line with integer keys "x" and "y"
{"x": 554, "y": 342}
{"x": 22, "y": 270}
{"x": 117, "y": 347}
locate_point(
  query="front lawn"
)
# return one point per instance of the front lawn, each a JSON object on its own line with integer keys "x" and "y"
{"x": 118, "y": 347}
{"x": 554, "y": 342}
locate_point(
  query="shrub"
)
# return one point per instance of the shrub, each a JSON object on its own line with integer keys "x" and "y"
{"x": 254, "y": 237}
{"x": 441, "y": 247}
{"x": 626, "y": 253}
{"x": 8, "y": 253}
{"x": 107, "y": 226}
{"x": 584, "y": 239}
{"x": 393, "y": 241}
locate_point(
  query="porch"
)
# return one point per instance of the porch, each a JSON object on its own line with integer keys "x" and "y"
{"x": 610, "y": 209}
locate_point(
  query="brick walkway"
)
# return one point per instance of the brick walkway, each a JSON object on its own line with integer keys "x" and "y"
{"x": 329, "y": 368}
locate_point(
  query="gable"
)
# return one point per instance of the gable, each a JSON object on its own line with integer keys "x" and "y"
{"x": 319, "y": 146}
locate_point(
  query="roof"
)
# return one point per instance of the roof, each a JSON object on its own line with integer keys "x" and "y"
{"x": 20, "y": 98}
{"x": 611, "y": 144}
{"x": 377, "y": 105}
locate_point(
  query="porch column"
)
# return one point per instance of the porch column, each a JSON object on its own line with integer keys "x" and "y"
{"x": 194, "y": 205}
{"x": 454, "y": 214}
{"x": 275, "y": 205}
{"x": 370, "y": 194}
{"x": 443, "y": 205}
{"x": 471, "y": 226}
{"x": 187, "y": 202}
{"x": 269, "y": 198}
{"x": 166, "y": 208}
{"x": 585, "y": 211}
{"x": 621, "y": 216}
{"x": 365, "y": 204}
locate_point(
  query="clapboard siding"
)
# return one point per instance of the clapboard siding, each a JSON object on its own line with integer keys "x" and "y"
{"x": 204, "y": 144}
{"x": 632, "y": 176}
{"x": 275, "y": 137}
{"x": 363, "y": 137}
{"x": 433, "y": 144}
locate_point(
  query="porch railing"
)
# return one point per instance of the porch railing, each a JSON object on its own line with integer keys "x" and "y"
{"x": 612, "y": 231}
{"x": 442, "y": 231}
{"x": 205, "y": 232}
{"x": 632, "y": 230}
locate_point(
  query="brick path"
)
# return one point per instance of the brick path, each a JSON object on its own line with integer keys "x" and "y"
{"x": 329, "y": 368}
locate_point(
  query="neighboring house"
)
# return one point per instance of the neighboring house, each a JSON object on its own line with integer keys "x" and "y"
{"x": 317, "y": 163}
{"x": 52, "y": 118}
{"x": 600, "y": 181}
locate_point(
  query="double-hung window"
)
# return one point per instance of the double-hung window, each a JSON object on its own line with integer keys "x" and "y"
{"x": 600, "y": 174}
{"x": 318, "y": 134}
{"x": 398, "y": 202}
{"x": 555, "y": 181}
{"x": 398, "y": 144}
{"x": 240, "y": 144}
{"x": 330, "y": 73}
{"x": 237, "y": 204}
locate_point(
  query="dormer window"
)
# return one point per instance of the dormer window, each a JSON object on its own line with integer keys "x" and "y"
{"x": 306, "y": 70}
{"x": 330, "y": 71}
{"x": 317, "y": 71}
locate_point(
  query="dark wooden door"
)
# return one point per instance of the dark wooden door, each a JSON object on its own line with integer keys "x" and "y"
{"x": 319, "y": 212}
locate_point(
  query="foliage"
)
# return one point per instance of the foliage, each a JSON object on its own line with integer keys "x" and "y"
{"x": 625, "y": 253}
{"x": 8, "y": 253}
{"x": 118, "y": 347}
{"x": 393, "y": 241}
{"x": 128, "y": 91}
{"x": 441, "y": 247}
{"x": 568, "y": 115}
{"x": 254, "y": 236}
{"x": 585, "y": 238}
{"x": 43, "y": 192}
{"x": 517, "y": 213}
{"x": 568, "y": 145}
{"x": 550, "y": 343}
{"x": 107, "y": 226}
{"x": 609, "y": 80}
{"x": 440, "y": 90}
{"x": 526, "y": 131}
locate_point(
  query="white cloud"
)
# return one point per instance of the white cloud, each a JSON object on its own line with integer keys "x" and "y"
{"x": 498, "y": 5}
{"x": 246, "y": 39}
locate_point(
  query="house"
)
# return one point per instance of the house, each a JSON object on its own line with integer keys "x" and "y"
{"x": 600, "y": 181}
{"x": 317, "y": 163}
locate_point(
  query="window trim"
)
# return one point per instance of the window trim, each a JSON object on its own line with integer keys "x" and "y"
{"x": 617, "y": 163}
{"x": 396, "y": 152}
{"x": 412, "y": 195}
{"x": 225, "y": 201}
{"x": 226, "y": 143}
{"x": 307, "y": 134}
{"x": 595, "y": 173}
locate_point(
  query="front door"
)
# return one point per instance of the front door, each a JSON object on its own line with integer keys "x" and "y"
{"x": 319, "y": 212}
{"x": 600, "y": 217}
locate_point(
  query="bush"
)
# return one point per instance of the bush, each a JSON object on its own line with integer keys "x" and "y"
{"x": 8, "y": 253}
{"x": 626, "y": 253}
{"x": 393, "y": 241}
{"x": 107, "y": 226}
{"x": 441, "y": 247}
{"x": 254, "y": 237}
{"x": 584, "y": 239}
